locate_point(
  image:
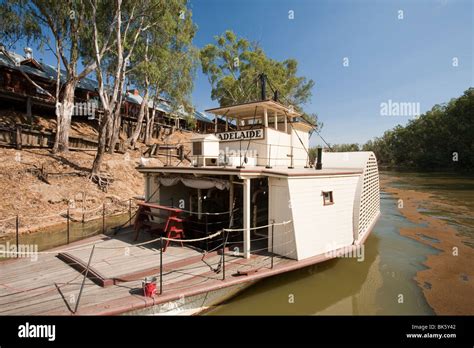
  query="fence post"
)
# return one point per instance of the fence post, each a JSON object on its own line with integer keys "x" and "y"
{"x": 129, "y": 212}
{"x": 84, "y": 279}
{"x": 18, "y": 140}
{"x": 207, "y": 233}
{"x": 161, "y": 265}
{"x": 223, "y": 255}
{"x": 17, "y": 234}
{"x": 273, "y": 227}
{"x": 103, "y": 218}
{"x": 83, "y": 210}
{"x": 68, "y": 224}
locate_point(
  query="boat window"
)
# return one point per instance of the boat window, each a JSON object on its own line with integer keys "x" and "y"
{"x": 197, "y": 148}
{"x": 327, "y": 198}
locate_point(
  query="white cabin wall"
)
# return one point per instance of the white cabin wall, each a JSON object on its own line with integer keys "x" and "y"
{"x": 300, "y": 156}
{"x": 321, "y": 228}
{"x": 280, "y": 147}
{"x": 233, "y": 148}
{"x": 279, "y": 211}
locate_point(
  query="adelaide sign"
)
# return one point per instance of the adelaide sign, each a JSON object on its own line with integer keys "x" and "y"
{"x": 241, "y": 135}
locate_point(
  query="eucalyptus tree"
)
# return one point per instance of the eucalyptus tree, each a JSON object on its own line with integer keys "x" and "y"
{"x": 63, "y": 21}
{"x": 167, "y": 68}
{"x": 233, "y": 64}
{"x": 139, "y": 30}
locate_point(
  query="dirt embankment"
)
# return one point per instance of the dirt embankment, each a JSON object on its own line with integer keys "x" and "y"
{"x": 39, "y": 186}
{"x": 448, "y": 281}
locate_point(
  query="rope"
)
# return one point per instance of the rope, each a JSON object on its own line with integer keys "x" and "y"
{"x": 304, "y": 120}
{"x": 304, "y": 147}
{"x": 256, "y": 228}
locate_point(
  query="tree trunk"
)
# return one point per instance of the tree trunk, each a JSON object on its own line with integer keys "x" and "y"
{"x": 115, "y": 129}
{"x": 104, "y": 125}
{"x": 151, "y": 125}
{"x": 63, "y": 116}
{"x": 148, "y": 115}
{"x": 133, "y": 139}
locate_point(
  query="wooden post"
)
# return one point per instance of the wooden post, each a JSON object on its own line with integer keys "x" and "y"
{"x": 226, "y": 123}
{"x": 273, "y": 228}
{"x": 246, "y": 207}
{"x": 17, "y": 234}
{"x": 83, "y": 206}
{"x": 231, "y": 200}
{"x": 199, "y": 204}
{"x": 269, "y": 156}
{"x": 286, "y": 124}
{"x": 291, "y": 166}
{"x": 276, "y": 120}
{"x": 161, "y": 265}
{"x": 18, "y": 137}
{"x": 223, "y": 255}
{"x": 207, "y": 232}
{"x": 265, "y": 117}
{"x": 103, "y": 218}
{"x": 68, "y": 224}
{"x": 29, "y": 116}
{"x": 215, "y": 123}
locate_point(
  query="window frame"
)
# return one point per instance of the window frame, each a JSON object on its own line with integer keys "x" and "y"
{"x": 325, "y": 200}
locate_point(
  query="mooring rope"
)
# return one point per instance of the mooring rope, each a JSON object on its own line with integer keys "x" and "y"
{"x": 256, "y": 228}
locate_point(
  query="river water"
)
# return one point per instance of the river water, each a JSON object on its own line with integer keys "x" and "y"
{"x": 384, "y": 282}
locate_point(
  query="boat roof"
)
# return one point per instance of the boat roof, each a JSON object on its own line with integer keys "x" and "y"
{"x": 252, "y": 171}
{"x": 254, "y": 109}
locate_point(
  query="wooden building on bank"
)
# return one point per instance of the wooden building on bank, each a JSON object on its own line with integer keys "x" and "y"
{"x": 17, "y": 92}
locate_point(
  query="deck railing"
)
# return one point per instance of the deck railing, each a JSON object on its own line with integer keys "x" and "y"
{"x": 230, "y": 238}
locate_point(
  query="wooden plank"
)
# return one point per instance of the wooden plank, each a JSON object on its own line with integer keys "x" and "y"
{"x": 80, "y": 266}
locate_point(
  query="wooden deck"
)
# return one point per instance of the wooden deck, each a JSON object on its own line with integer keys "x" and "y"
{"x": 51, "y": 284}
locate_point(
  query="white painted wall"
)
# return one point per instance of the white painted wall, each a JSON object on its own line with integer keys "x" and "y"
{"x": 280, "y": 147}
{"x": 319, "y": 228}
{"x": 279, "y": 211}
{"x": 277, "y": 153}
{"x": 299, "y": 153}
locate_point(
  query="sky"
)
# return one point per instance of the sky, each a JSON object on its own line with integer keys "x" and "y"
{"x": 360, "y": 53}
{"x": 423, "y": 54}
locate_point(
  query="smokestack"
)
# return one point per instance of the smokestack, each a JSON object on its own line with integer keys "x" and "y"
{"x": 263, "y": 86}
{"x": 319, "y": 163}
{"x": 275, "y": 96}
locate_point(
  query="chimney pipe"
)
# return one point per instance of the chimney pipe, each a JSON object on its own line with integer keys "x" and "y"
{"x": 275, "y": 96}
{"x": 319, "y": 163}
{"x": 263, "y": 86}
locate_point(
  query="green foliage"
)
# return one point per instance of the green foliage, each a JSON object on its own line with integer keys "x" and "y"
{"x": 442, "y": 138}
{"x": 233, "y": 65}
{"x": 171, "y": 59}
{"x": 191, "y": 122}
{"x": 345, "y": 147}
{"x": 313, "y": 151}
{"x": 17, "y": 23}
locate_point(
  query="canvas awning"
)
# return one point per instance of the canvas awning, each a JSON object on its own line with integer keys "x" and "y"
{"x": 197, "y": 183}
